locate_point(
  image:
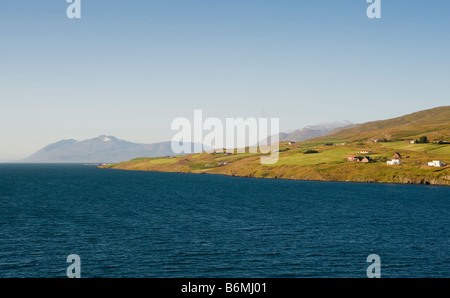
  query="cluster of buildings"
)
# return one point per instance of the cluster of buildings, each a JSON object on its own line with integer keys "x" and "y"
{"x": 396, "y": 160}
{"x": 364, "y": 159}
{"x": 222, "y": 163}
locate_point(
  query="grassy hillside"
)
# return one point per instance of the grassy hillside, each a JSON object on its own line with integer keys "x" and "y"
{"x": 435, "y": 123}
{"x": 330, "y": 162}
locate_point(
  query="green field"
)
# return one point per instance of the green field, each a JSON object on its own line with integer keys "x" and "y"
{"x": 334, "y": 155}
{"x": 429, "y": 148}
{"x": 154, "y": 161}
{"x": 443, "y": 149}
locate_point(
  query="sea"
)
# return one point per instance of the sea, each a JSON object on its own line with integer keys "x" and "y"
{"x": 130, "y": 224}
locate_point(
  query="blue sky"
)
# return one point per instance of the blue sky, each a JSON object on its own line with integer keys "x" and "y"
{"x": 128, "y": 68}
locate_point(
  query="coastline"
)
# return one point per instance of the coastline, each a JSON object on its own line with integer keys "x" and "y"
{"x": 405, "y": 181}
{"x": 332, "y": 161}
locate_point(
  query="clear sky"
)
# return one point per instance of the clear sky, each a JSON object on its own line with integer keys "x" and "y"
{"x": 128, "y": 68}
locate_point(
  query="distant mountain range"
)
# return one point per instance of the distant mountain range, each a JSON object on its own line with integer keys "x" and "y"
{"x": 314, "y": 131}
{"x": 103, "y": 149}
{"x": 311, "y": 132}
{"x": 434, "y": 123}
{"x": 108, "y": 149}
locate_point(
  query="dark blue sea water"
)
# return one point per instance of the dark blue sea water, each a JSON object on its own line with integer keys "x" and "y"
{"x": 143, "y": 224}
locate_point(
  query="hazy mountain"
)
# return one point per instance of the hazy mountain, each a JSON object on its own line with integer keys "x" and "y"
{"x": 313, "y": 131}
{"x": 103, "y": 149}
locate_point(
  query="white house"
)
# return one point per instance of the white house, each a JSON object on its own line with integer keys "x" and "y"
{"x": 436, "y": 163}
{"x": 394, "y": 162}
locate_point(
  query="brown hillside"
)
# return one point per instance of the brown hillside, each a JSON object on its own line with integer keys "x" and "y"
{"x": 434, "y": 123}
